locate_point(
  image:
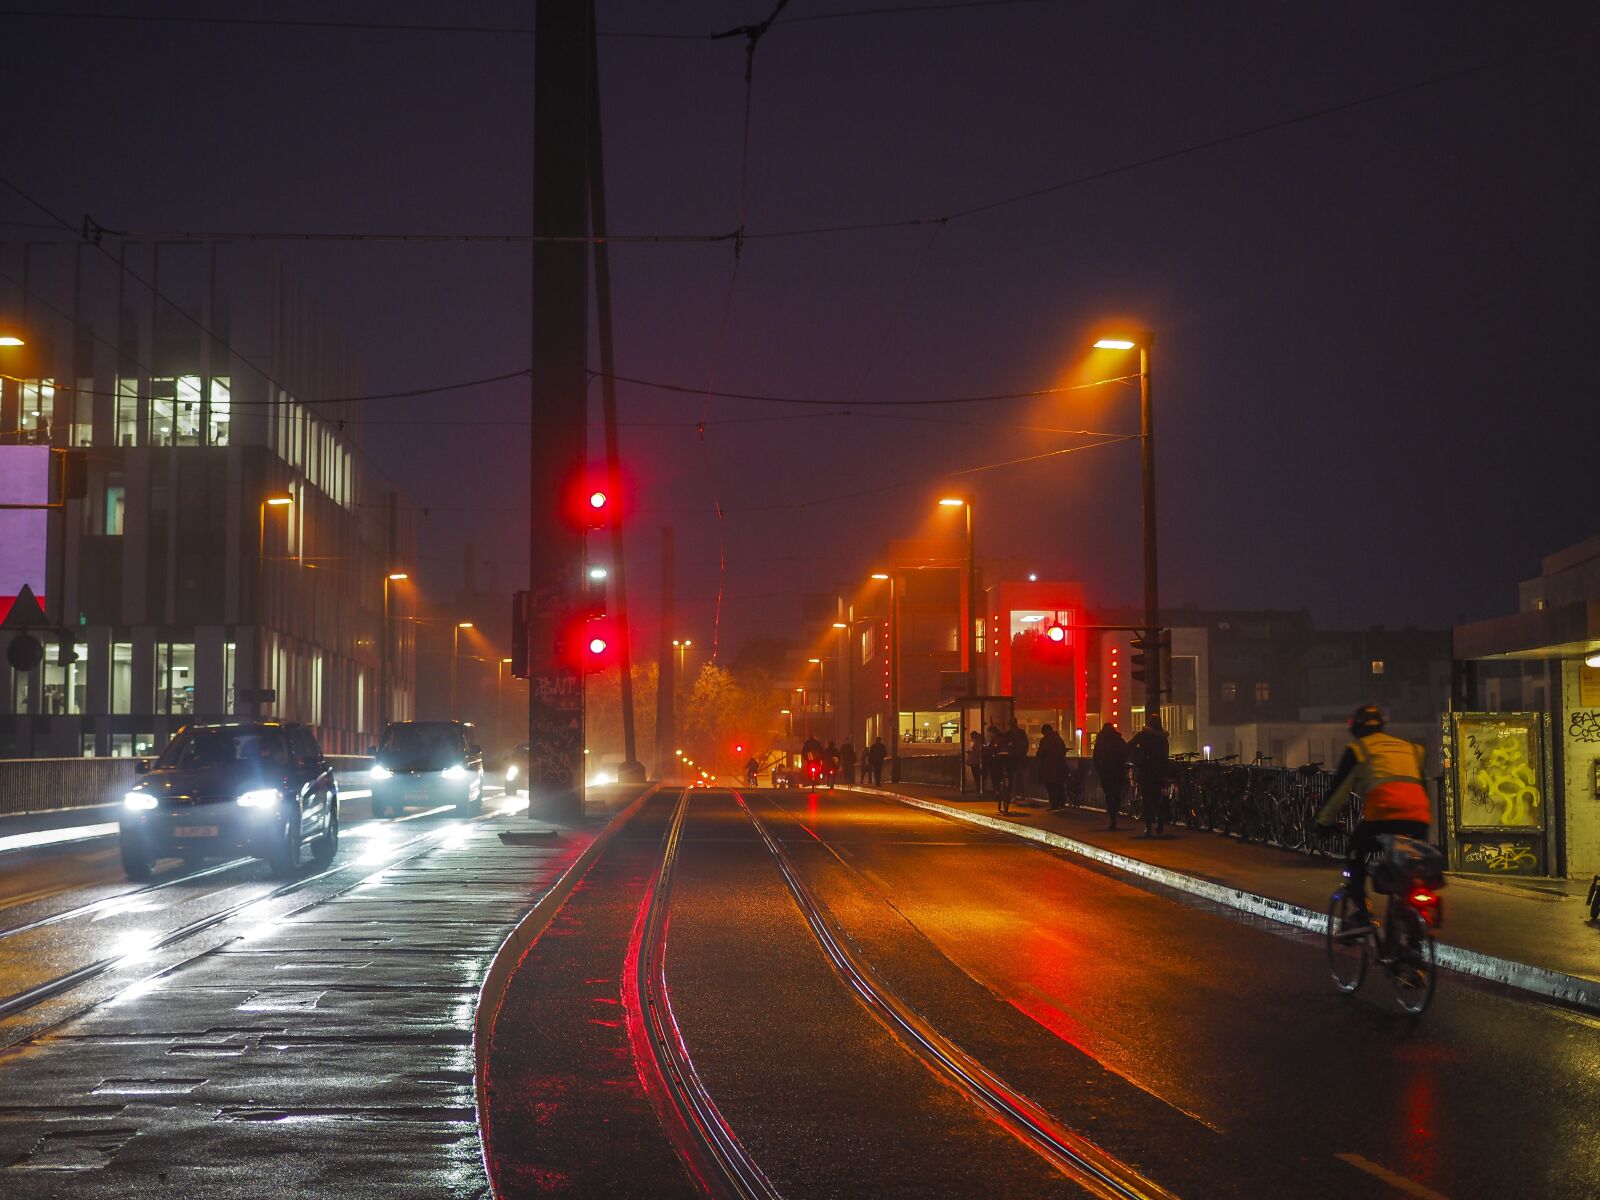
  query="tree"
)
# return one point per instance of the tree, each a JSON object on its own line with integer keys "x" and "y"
{"x": 603, "y": 712}
{"x": 724, "y": 707}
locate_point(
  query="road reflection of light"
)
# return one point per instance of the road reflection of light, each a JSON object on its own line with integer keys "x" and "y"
{"x": 134, "y": 990}
{"x": 122, "y": 906}
{"x": 379, "y": 848}
{"x": 514, "y": 806}
{"x": 134, "y": 946}
{"x": 456, "y": 835}
{"x": 261, "y": 929}
{"x": 366, "y": 829}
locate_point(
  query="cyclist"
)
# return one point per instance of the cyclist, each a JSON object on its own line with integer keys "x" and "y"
{"x": 1387, "y": 772}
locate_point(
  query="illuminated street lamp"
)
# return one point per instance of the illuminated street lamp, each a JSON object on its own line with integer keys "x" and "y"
{"x": 965, "y": 502}
{"x": 1147, "y": 438}
{"x": 281, "y": 501}
{"x": 389, "y": 580}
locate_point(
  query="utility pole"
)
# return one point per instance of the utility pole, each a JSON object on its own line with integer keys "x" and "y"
{"x": 632, "y": 770}
{"x": 1152, "y": 599}
{"x": 561, "y": 62}
{"x": 667, "y": 666}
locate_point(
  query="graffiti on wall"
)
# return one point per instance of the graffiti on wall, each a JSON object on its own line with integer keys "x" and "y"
{"x": 1498, "y": 773}
{"x": 1500, "y": 858}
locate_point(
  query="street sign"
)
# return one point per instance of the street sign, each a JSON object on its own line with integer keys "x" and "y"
{"x": 24, "y": 610}
{"x": 25, "y": 652}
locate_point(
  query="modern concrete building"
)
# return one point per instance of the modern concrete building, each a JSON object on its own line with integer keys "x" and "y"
{"x": 234, "y": 550}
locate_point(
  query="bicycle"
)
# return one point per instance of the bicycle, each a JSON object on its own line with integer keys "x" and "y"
{"x": 1404, "y": 945}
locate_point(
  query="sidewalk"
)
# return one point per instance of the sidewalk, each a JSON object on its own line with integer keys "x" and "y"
{"x": 1517, "y": 934}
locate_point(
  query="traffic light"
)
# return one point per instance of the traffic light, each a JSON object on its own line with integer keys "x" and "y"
{"x": 738, "y": 748}
{"x": 1137, "y": 658}
{"x": 1141, "y": 647}
{"x": 597, "y": 506}
{"x": 66, "y": 652}
{"x": 1056, "y": 632}
{"x": 594, "y": 592}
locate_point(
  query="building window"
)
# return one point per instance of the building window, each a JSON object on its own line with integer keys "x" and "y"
{"x": 163, "y": 395}
{"x": 82, "y": 431}
{"x": 1230, "y": 690}
{"x": 175, "y": 678}
{"x": 1263, "y": 693}
{"x": 186, "y": 410}
{"x": 220, "y": 413}
{"x": 122, "y": 678}
{"x": 1377, "y": 666}
{"x": 64, "y": 684}
{"x": 125, "y": 425}
{"x": 116, "y": 508}
{"x": 230, "y": 673}
{"x": 38, "y": 398}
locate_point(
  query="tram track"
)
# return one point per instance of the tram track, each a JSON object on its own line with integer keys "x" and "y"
{"x": 711, "y": 1148}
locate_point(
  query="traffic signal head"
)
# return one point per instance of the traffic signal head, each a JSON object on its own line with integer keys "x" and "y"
{"x": 1056, "y": 632}
{"x": 1137, "y": 658}
{"x": 738, "y": 748}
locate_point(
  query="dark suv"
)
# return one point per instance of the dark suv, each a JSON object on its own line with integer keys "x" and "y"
{"x": 427, "y": 762}
{"x": 258, "y": 788}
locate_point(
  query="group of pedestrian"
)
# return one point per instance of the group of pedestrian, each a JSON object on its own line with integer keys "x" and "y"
{"x": 840, "y": 761}
{"x": 999, "y": 763}
{"x": 1147, "y": 754}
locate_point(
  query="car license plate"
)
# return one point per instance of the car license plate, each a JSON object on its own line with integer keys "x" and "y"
{"x": 196, "y": 831}
{"x": 420, "y": 797}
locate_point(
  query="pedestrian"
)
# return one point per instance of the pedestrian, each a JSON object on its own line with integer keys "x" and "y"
{"x": 830, "y": 762}
{"x": 994, "y": 760}
{"x": 847, "y": 760}
{"x": 1111, "y": 764}
{"x": 876, "y": 753}
{"x": 1148, "y": 751}
{"x": 975, "y": 761}
{"x": 1017, "y": 759}
{"x": 1052, "y": 766}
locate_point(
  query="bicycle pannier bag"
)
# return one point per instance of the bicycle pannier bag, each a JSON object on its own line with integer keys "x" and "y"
{"x": 1408, "y": 862}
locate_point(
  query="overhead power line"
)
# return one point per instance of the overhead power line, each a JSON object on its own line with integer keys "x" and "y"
{"x": 1031, "y": 393}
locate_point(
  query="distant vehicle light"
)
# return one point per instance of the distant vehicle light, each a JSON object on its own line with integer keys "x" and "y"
{"x": 454, "y": 771}
{"x": 511, "y": 772}
{"x": 380, "y": 772}
{"x": 260, "y": 798}
{"x": 139, "y": 801}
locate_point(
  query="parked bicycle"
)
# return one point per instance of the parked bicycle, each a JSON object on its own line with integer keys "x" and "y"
{"x": 1409, "y": 872}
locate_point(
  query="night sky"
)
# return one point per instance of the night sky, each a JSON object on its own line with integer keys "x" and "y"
{"x": 1374, "y": 327}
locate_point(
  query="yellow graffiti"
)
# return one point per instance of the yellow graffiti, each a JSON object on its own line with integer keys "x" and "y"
{"x": 1506, "y": 779}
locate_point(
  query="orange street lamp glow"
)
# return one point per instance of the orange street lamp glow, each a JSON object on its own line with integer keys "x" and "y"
{"x": 398, "y": 576}
{"x": 952, "y": 502}
{"x": 879, "y": 575}
{"x": 279, "y": 499}
{"x": 11, "y": 339}
{"x": 1114, "y": 344}
{"x": 840, "y": 625}
{"x": 463, "y": 624}
{"x": 813, "y": 660}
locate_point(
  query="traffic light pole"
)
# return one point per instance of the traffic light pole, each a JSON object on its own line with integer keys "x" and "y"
{"x": 559, "y": 390}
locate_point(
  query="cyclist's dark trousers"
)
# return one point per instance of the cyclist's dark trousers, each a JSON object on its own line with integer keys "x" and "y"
{"x": 1364, "y": 840}
{"x": 1152, "y": 788}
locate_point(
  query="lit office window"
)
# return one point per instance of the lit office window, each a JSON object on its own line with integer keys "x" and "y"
{"x": 186, "y": 410}
{"x": 1263, "y": 693}
{"x": 221, "y": 412}
{"x": 175, "y": 678}
{"x": 116, "y": 508}
{"x": 38, "y": 398}
{"x": 122, "y": 679}
{"x": 163, "y": 396}
{"x": 1377, "y": 666}
{"x": 82, "y": 430}
{"x": 230, "y": 673}
{"x": 64, "y": 683}
{"x": 125, "y": 424}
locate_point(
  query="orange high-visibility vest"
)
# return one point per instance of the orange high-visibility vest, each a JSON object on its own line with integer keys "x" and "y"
{"x": 1388, "y": 776}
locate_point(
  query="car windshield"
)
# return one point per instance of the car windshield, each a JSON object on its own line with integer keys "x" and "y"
{"x": 219, "y": 747}
{"x": 421, "y": 739}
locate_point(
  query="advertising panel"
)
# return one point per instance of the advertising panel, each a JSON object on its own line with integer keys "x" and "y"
{"x": 24, "y": 479}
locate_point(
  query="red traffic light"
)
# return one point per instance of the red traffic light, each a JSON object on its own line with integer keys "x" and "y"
{"x": 1056, "y": 633}
{"x": 598, "y": 645}
{"x": 739, "y": 748}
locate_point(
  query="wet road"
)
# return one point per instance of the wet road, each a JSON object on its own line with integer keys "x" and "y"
{"x": 310, "y": 1037}
{"x": 1204, "y": 1053}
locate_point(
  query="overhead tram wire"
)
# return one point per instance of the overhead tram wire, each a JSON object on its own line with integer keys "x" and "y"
{"x": 745, "y": 235}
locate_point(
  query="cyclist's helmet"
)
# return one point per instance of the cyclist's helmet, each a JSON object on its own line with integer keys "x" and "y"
{"x": 1366, "y": 719}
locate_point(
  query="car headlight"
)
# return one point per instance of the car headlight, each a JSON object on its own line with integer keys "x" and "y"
{"x": 511, "y": 772}
{"x": 139, "y": 801}
{"x": 379, "y": 771}
{"x": 454, "y": 771}
{"x": 261, "y": 798}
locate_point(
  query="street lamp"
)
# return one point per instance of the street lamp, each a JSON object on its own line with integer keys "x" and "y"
{"x": 455, "y": 650}
{"x": 500, "y": 700}
{"x": 965, "y": 502}
{"x": 389, "y": 580}
{"x": 1147, "y": 438}
{"x": 788, "y": 712}
{"x": 822, "y": 690}
{"x": 282, "y": 501}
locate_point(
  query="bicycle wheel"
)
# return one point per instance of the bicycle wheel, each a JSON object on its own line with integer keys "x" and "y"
{"x": 1414, "y": 974}
{"x": 1347, "y": 956}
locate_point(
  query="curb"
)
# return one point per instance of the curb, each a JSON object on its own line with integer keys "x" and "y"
{"x": 1540, "y": 981}
{"x": 510, "y": 954}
